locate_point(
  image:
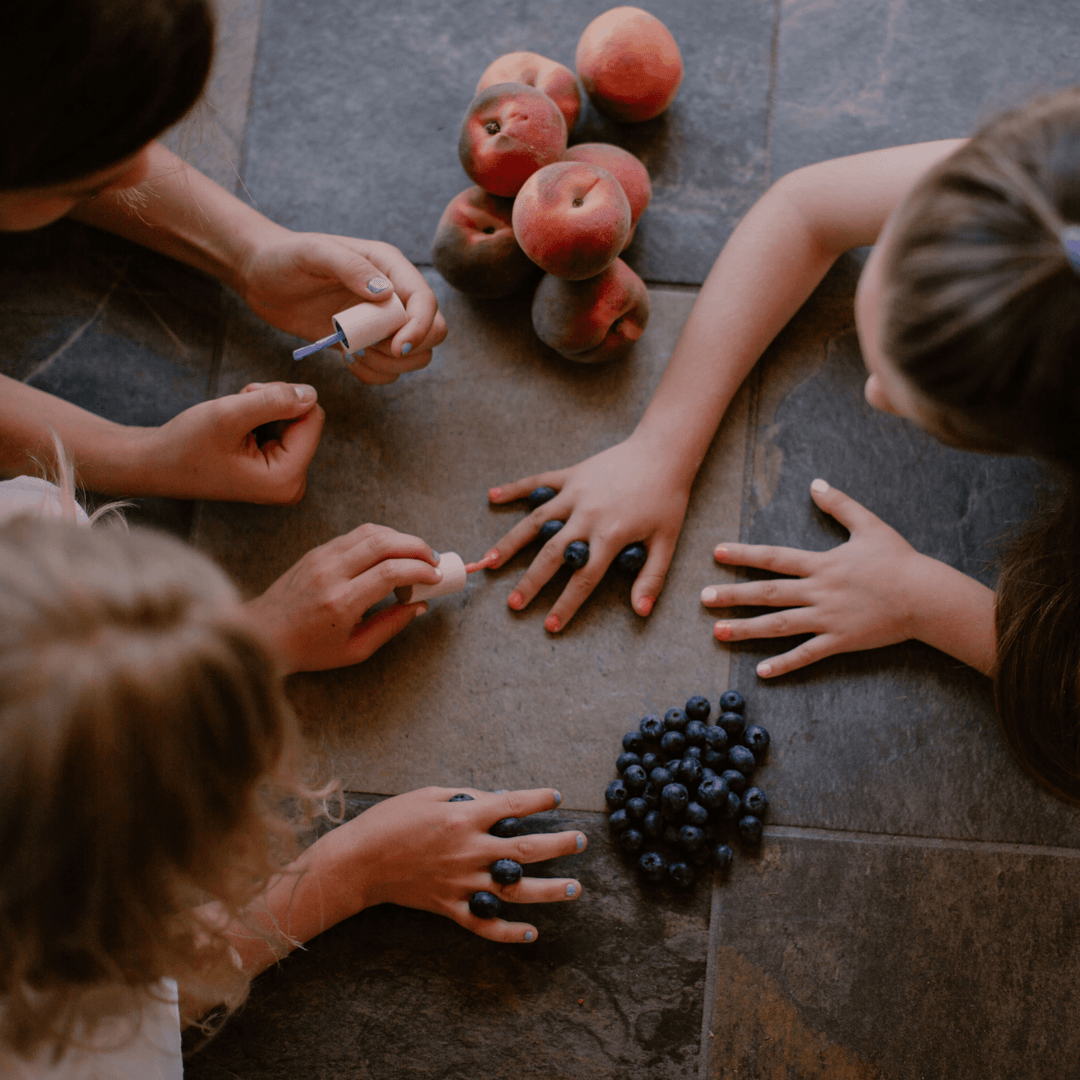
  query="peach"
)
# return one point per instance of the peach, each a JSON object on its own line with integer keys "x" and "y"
{"x": 627, "y": 169}
{"x": 475, "y": 249}
{"x": 572, "y": 219}
{"x": 629, "y": 64}
{"x": 549, "y": 76}
{"x": 510, "y": 131}
{"x": 593, "y": 320}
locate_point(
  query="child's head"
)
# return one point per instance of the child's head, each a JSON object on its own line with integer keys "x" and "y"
{"x": 86, "y": 85}
{"x": 139, "y": 727}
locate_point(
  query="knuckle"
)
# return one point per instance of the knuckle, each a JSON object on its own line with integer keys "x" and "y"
{"x": 768, "y": 590}
{"x": 781, "y": 624}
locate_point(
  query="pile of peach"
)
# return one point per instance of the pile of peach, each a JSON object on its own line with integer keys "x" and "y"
{"x": 539, "y": 206}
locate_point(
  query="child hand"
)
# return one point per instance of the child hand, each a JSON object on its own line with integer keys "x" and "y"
{"x": 421, "y": 851}
{"x": 624, "y": 494}
{"x": 298, "y": 281}
{"x": 312, "y": 617}
{"x": 861, "y": 595}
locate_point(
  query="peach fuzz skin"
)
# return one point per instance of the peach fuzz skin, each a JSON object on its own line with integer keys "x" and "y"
{"x": 629, "y": 64}
{"x": 592, "y": 321}
{"x": 510, "y": 130}
{"x": 548, "y": 76}
{"x": 572, "y": 219}
{"x": 475, "y": 249}
{"x": 632, "y": 175}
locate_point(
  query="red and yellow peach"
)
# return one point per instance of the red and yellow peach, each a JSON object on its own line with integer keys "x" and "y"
{"x": 549, "y": 76}
{"x": 632, "y": 175}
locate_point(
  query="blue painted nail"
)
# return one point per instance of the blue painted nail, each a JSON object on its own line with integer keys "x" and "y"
{"x": 406, "y": 348}
{"x": 378, "y": 285}
{"x": 580, "y": 842}
{"x": 571, "y": 889}
{"x": 529, "y": 935}
{"x": 558, "y": 798}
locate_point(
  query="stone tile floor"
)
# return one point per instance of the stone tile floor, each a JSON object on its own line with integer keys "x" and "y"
{"x": 914, "y": 911}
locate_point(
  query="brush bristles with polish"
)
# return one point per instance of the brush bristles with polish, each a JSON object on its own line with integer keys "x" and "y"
{"x": 486, "y": 563}
{"x": 317, "y": 346}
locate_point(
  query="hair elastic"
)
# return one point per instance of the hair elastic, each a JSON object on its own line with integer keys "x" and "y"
{"x": 1070, "y": 241}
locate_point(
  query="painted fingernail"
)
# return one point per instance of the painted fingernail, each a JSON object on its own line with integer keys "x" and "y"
{"x": 552, "y": 624}
{"x": 378, "y": 284}
{"x": 494, "y": 493}
{"x": 304, "y": 392}
{"x": 558, "y": 798}
{"x": 529, "y": 935}
{"x": 256, "y": 385}
{"x": 645, "y": 605}
{"x": 720, "y": 553}
{"x": 438, "y": 573}
{"x": 515, "y": 600}
{"x": 501, "y": 791}
{"x": 580, "y": 842}
{"x": 764, "y": 669}
{"x": 422, "y": 608}
{"x": 708, "y": 596}
{"x": 819, "y": 486}
{"x": 722, "y": 631}
{"x": 406, "y": 348}
{"x": 571, "y": 889}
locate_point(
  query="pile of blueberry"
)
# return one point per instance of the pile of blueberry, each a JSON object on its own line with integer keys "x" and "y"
{"x": 629, "y": 561}
{"x": 684, "y": 784}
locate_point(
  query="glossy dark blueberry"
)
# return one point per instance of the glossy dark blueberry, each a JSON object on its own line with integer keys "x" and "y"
{"x": 722, "y": 856}
{"x": 694, "y": 752}
{"x": 636, "y": 809}
{"x": 549, "y": 529}
{"x": 698, "y": 707}
{"x": 681, "y": 874}
{"x": 539, "y": 496}
{"x": 750, "y": 829}
{"x": 616, "y": 794}
{"x": 651, "y": 795}
{"x": 695, "y": 733}
{"x": 672, "y": 766}
{"x": 506, "y": 872}
{"x": 689, "y": 772}
{"x": 734, "y": 805}
{"x": 675, "y": 720}
{"x": 696, "y": 814}
{"x": 484, "y": 905}
{"x": 635, "y": 779}
{"x": 633, "y": 742}
{"x": 716, "y": 738}
{"x": 576, "y": 554}
{"x": 756, "y": 738}
{"x": 714, "y": 759}
{"x": 460, "y": 797}
{"x": 507, "y": 827}
{"x": 631, "y": 840}
{"x": 733, "y": 723}
{"x": 661, "y": 777}
{"x": 712, "y": 793}
{"x": 652, "y": 727}
{"x": 673, "y": 743}
{"x": 741, "y": 758}
{"x": 618, "y": 820}
{"x": 735, "y": 779}
{"x": 631, "y": 559}
{"x": 673, "y": 800}
{"x": 653, "y": 825}
{"x": 732, "y": 701}
{"x": 691, "y": 838}
{"x": 755, "y": 801}
{"x": 671, "y": 835}
{"x": 625, "y": 760}
{"x": 650, "y": 761}
{"x": 653, "y": 866}
{"x": 708, "y": 774}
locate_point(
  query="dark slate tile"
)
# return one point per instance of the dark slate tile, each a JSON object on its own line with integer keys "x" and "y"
{"x": 859, "y": 960}
{"x": 855, "y": 76}
{"x": 902, "y": 739}
{"x": 371, "y": 150}
{"x": 114, "y": 328}
{"x": 613, "y": 988}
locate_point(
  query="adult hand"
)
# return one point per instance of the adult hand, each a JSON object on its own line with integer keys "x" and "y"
{"x": 312, "y": 617}
{"x": 624, "y": 494}
{"x": 298, "y": 281}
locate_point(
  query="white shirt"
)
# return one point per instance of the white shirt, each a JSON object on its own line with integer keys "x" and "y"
{"x": 32, "y": 495}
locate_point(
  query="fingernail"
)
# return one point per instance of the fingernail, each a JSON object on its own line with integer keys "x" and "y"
{"x": 571, "y": 889}
{"x": 529, "y": 935}
{"x": 494, "y": 493}
{"x": 422, "y": 608}
{"x": 722, "y": 631}
{"x": 516, "y": 600}
{"x": 720, "y": 553}
{"x": 501, "y": 791}
{"x": 764, "y": 669}
{"x": 257, "y": 385}
{"x": 819, "y": 486}
{"x": 378, "y": 284}
{"x": 558, "y": 798}
{"x": 552, "y": 624}
{"x": 438, "y": 572}
{"x": 708, "y": 596}
{"x": 580, "y": 842}
{"x": 406, "y": 348}
{"x": 304, "y": 392}
{"x": 645, "y": 605}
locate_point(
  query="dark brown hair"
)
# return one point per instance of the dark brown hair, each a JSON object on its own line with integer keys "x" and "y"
{"x": 87, "y": 83}
{"x": 982, "y": 316}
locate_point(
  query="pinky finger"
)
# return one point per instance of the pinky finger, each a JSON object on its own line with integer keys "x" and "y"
{"x": 817, "y": 648}
{"x": 510, "y": 933}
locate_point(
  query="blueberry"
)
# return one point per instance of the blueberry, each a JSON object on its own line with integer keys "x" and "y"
{"x": 722, "y": 856}
{"x": 616, "y": 794}
{"x": 672, "y": 766}
{"x": 756, "y": 738}
{"x": 633, "y": 742}
{"x": 636, "y": 809}
{"x": 741, "y": 758}
{"x": 653, "y": 866}
{"x": 661, "y": 777}
{"x": 755, "y": 801}
{"x": 750, "y": 829}
{"x": 618, "y": 821}
{"x": 712, "y": 793}
{"x": 689, "y": 772}
{"x": 716, "y": 738}
{"x": 675, "y": 720}
{"x": 653, "y": 825}
{"x": 510, "y": 826}
{"x": 681, "y": 875}
{"x": 698, "y": 707}
{"x": 631, "y": 559}
{"x": 673, "y": 743}
{"x": 695, "y": 733}
{"x": 635, "y": 779}
{"x": 733, "y": 723}
{"x": 460, "y": 797}
{"x": 734, "y": 805}
{"x": 652, "y": 727}
{"x": 625, "y": 760}
{"x": 714, "y": 759}
{"x": 549, "y": 529}
{"x": 484, "y": 905}
{"x": 732, "y": 701}
{"x": 650, "y": 761}
{"x": 631, "y": 840}
{"x": 735, "y": 779}
{"x": 671, "y": 835}
{"x": 539, "y": 496}
{"x": 506, "y": 872}
{"x": 696, "y": 814}
{"x": 694, "y": 752}
{"x": 673, "y": 800}
{"x": 651, "y": 795}
{"x": 576, "y": 554}
{"x": 708, "y": 774}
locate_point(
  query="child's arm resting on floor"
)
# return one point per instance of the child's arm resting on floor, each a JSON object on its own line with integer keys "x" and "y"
{"x": 873, "y": 590}
{"x": 638, "y": 490}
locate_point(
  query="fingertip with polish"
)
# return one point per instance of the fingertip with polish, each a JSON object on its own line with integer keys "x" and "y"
{"x": 708, "y": 596}
{"x": 819, "y": 485}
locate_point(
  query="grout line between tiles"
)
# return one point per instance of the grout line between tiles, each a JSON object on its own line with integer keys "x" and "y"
{"x": 708, "y": 1002}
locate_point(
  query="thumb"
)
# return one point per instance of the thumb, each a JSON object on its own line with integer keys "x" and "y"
{"x": 353, "y": 270}
{"x": 272, "y": 401}
{"x": 852, "y": 515}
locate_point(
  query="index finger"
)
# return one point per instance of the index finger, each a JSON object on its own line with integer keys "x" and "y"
{"x": 521, "y": 804}
{"x": 518, "y": 489}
